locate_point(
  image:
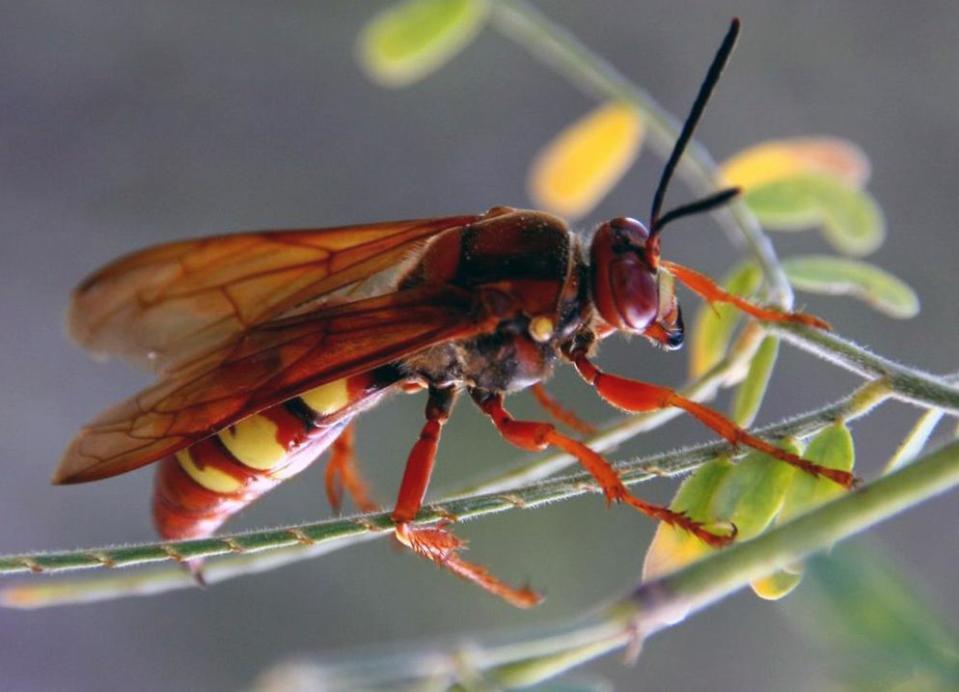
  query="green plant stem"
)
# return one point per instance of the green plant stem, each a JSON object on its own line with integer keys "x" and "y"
{"x": 909, "y": 384}
{"x": 658, "y": 604}
{"x": 492, "y": 663}
{"x": 538, "y": 655}
{"x": 567, "y": 55}
{"x": 312, "y": 535}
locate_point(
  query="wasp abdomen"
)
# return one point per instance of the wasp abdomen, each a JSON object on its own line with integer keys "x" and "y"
{"x": 201, "y": 486}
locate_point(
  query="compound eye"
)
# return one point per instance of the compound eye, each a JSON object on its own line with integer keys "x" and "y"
{"x": 625, "y": 289}
{"x": 635, "y": 292}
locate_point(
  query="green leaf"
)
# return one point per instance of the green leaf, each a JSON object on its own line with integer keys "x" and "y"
{"x": 841, "y": 276}
{"x": 850, "y": 218}
{"x": 751, "y": 494}
{"x": 832, "y": 447}
{"x": 798, "y": 492}
{"x": 784, "y": 205}
{"x": 672, "y": 548}
{"x": 696, "y": 492}
{"x": 410, "y": 39}
{"x": 748, "y": 494}
{"x": 749, "y": 395}
{"x": 714, "y": 324}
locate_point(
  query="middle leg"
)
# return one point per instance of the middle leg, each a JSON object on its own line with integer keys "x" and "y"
{"x": 559, "y": 412}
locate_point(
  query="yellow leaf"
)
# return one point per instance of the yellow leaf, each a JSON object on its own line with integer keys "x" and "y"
{"x": 573, "y": 172}
{"x": 670, "y": 549}
{"x": 778, "y": 159}
{"x": 777, "y": 585}
{"x": 673, "y": 548}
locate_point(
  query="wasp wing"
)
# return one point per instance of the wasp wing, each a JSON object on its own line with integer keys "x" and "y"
{"x": 262, "y": 367}
{"x": 169, "y": 302}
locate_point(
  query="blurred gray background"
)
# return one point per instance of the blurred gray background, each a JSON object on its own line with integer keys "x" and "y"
{"x": 128, "y": 124}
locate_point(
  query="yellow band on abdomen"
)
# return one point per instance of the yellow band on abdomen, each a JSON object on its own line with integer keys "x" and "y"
{"x": 329, "y": 398}
{"x": 254, "y": 443}
{"x": 210, "y": 477}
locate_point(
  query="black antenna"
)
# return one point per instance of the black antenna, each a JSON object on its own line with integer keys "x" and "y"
{"x": 714, "y": 200}
{"x": 712, "y": 76}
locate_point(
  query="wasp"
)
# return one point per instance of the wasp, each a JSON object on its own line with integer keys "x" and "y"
{"x": 268, "y": 345}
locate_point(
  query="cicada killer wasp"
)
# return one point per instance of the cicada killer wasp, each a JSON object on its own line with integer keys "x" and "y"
{"x": 268, "y": 345}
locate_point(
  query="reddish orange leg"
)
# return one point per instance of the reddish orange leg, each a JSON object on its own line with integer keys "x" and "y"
{"x": 436, "y": 543}
{"x": 707, "y": 288}
{"x": 637, "y": 397}
{"x": 535, "y": 436}
{"x": 559, "y": 412}
{"x": 343, "y": 473}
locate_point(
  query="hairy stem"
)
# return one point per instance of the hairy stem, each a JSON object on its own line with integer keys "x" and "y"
{"x": 531, "y": 495}
{"x": 909, "y": 384}
{"x": 664, "y": 602}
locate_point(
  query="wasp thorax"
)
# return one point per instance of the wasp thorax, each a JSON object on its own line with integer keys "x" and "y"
{"x": 625, "y": 287}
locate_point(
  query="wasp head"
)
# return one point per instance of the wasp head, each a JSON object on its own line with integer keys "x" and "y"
{"x": 630, "y": 290}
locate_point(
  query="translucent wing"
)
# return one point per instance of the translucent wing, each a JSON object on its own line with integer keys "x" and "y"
{"x": 262, "y": 367}
{"x": 168, "y": 302}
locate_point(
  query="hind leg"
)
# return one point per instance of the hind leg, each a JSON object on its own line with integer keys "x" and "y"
{"x": 342, "y": 473}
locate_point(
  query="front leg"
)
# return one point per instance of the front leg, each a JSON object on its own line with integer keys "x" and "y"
{"x": 640, "y": 397}
{"x": 535, "y": 436}
{"x": 436, "y": 543}
{"x": 711, "y": 292}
